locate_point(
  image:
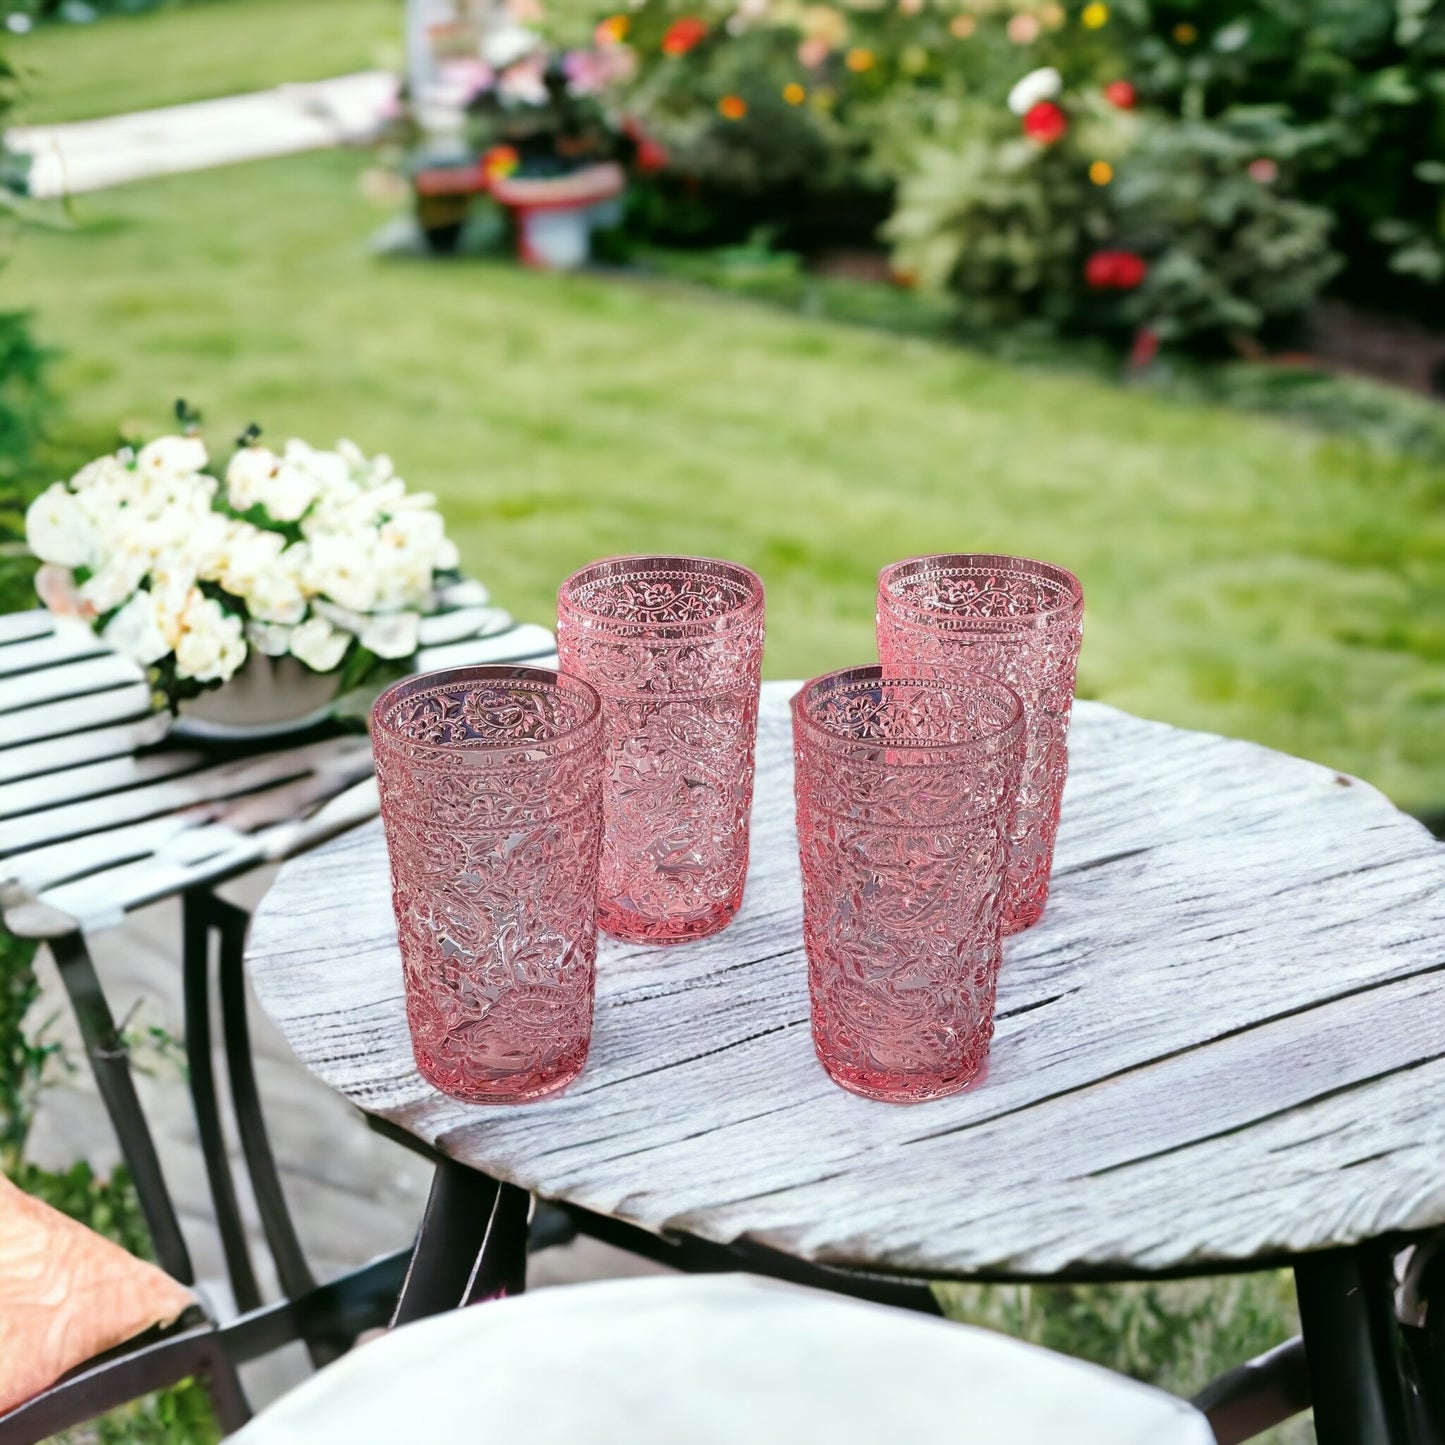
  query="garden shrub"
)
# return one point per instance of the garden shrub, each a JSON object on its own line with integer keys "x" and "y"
{"x": 1368, "y": 76}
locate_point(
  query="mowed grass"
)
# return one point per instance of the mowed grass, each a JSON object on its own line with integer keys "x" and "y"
{"x": 197, "y": 52}
{"x": 1241, "y": 575}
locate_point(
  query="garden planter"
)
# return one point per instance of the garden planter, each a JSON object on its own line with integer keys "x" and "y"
{"x": 268, "y": 697}
{"x": 556, "y": 215}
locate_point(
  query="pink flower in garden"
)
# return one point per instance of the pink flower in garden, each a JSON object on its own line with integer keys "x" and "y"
{"x": 525, "y": 81}
{"x": 1115, "y": 270}
{"x": 1046, "y": 123}
{"x": 1023, "y": 29}
{"x": 1264, "y": 170}
{"x": 1121, "y": 94}
{"x": 589, "y": 72}
{"x": 813, "y": 52}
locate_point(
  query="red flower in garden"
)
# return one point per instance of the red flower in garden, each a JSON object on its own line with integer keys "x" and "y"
{"x": 683, "y": 34}
{"x": 1115, "y": 270}
{"x": 1045, "y": 122}
{"x": 650, "y": 157}
{"x": 1121, "y": 94}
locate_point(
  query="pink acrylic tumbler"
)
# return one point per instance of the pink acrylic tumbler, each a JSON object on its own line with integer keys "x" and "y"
{"x": 674, "y": 647}
{"x": 1018, "y": 621}
{"x": 905, "y": 781}
{"x": 491, "y": 801}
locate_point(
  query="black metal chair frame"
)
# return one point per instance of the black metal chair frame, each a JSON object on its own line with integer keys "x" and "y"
{"x": 1373, "y": 1377}
{"x": 205, "y": 917}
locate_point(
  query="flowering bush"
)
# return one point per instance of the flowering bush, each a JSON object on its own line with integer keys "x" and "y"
{"x": 322, "y": 555}
{"x": 1225, "y": 150}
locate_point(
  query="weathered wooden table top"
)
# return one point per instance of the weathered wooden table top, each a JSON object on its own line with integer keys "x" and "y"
{"x": 1224, "y": 1041}
{"x": 101, "y": 811}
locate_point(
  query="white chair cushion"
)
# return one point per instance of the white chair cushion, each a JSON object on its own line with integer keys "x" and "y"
{"x": 713, "y": 1360}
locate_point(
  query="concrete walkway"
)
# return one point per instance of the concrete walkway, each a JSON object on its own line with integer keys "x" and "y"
{"x": 353, "y": 1194}
{"x": 93, "y": 154}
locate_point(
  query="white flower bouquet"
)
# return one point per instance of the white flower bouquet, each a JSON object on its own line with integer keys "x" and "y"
{"x": 322, "y": 555}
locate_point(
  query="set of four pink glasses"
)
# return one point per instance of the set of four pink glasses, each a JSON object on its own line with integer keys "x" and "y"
{"x": 524, "y": 808}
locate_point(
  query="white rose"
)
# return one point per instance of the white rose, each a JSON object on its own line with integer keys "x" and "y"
{"x": 351, "y": 454}
{"x": 288, "y": 493}
{"x": 173, "y": 585}
{"x": 171, "y": 457}
{"x": 269, "y": 637}
{"x": 135, "y": 631}
{"x": 342, "y": 568}
{"x": 319, "y": 645}
{"x": 394, "y": 635}
{"x": 103, "y": 471}
{"x": 1042, "y": 84}
{"x": 210, "y": 543}
{"x": 251, "y": 553}
{"x": 329, "y": 468}
{"x": 58, "y": 530}
{"x": 276, "y": 596}
{"x": 207, "y": 649}
{"x": 246, "y": 475}
{"x": 123, "y": 572}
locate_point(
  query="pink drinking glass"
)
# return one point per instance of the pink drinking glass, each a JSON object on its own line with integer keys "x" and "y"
{"x": 1018, "y": 621}
{"x": 905, "y": 780}
{"x": 674, "y": 647}
{"x": 491, "y": 799}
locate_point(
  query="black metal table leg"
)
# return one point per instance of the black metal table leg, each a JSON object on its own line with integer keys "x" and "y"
{"x": 1364, "y": 1380}
{"x": 111, "y": 1067}
{"x": 196, "y": 966}
{"x": 472, "y": 1244}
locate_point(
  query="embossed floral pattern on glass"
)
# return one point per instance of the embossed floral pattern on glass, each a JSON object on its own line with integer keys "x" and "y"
{"x": 674, "y": 647}
{"x": 491, "y": 800}
{"x": 904, "y": 781}
{"x": 1019, "y": 621}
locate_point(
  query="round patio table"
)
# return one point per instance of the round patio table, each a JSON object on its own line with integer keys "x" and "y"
{"x": 1222, "y": 1047}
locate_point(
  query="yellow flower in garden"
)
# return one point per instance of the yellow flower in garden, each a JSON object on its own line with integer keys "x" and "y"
{"x": 1101, "y": 173}
{"x": 794, "y": 93}
{"x": 1185, "y": 33}
{"x": 1095, "y": 15}
{"x": 732, "y": 107}
{"x": 962, "y": 26}
{"x": 822, "y": 22}
{"x": 611, "y": 31}
{"x": 1053, "y": 15}
{"x": 859, "y": 60}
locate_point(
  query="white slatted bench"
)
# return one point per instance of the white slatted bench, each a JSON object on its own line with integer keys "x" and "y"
{"x": 100, "y": 814}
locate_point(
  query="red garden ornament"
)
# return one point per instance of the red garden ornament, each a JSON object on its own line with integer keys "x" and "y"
{"x": 1115, "y": 270}
{"x": 1121, "y": 94}
{"x": 1045, "y": 123}
{"x": 500, "y": 161}
{"x": 682, "y": 35}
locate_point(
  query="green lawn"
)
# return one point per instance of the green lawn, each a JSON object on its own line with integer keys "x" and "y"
{"x": 198, "y": 52}
{"x": 1241, "y": 575}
